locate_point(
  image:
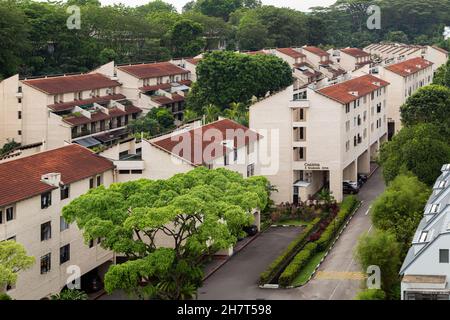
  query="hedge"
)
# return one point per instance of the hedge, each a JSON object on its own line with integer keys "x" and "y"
{"x": 299, "y": 261}
{"x": 279, "y": 262}
{"x": 302, "y": 258}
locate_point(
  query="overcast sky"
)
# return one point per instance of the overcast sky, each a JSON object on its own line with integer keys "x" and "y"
{"x": 301, "y": 5}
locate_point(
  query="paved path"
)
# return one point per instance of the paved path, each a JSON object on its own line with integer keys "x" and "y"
{"x": 238, "y": 278}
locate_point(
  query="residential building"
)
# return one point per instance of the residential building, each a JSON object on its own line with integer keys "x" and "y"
{"x": 351, "y": 59}
{"x": 390, "y": 53}
{"x": 426, "y": 269}
{"x": 405, "y": 79}
{"x": 290, "y": 55}
{"x": 33, "y": 191}
{"x": 63, "y": 109}
{"x": 321, "y": 136}
{"x": 152, "y": 85}
{"x": 220, "y": 144}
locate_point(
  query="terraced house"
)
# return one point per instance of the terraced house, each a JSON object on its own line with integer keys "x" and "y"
{"x": 59, "y": 110}
{"x": 325, "y": 134}
{"x": 426, "y": 269}
{"x": 151, "y": 85}
{"x": 33, "y": 191}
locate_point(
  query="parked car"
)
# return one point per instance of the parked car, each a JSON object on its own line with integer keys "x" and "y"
{"x": 362, "y": 179}
{"x": 251, "y": 230}
{"x": 350, "y": 187}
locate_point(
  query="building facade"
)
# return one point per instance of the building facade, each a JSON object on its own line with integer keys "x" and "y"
{"x": 33, "y": 191}
{"x": 322, "y": 136}
{"x": 426, "y": 269}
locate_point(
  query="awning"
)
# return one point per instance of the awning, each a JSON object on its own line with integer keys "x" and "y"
{"x": 88, "y": 142}
{"x": 301, "y": 184}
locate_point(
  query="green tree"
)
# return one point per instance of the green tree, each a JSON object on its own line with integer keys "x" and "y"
{"x": 157, "y": 121}
{"x": 186, "y": 38}
{"x": 442, "y": 75}
{"x": 8, "y": 147}
{"x": 399, "y": 208}
{"x": 13, "y": 259}
{"x": 70, "y": 295}
{"x": 397, "y": 36}
{"x": 211, "y": 113}
{"x": 420, "y": 149}
{"x": 189, "y": 115}
{"x": 155, "y": 6}
{"x": 381, "y": 249}
{"x": 429, "y": 104}
{"x": 198, "y": 212}
{"x": 225, "y": 77}
{"x": 237, "y": 112}
{"x": 251, "y": 34}
{"x": 371, "y": 294}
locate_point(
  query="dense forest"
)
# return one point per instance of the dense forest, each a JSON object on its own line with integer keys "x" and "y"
{"x": 35, "y": 39}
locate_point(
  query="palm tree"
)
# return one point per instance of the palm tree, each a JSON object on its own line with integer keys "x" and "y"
{"x": 237, "y": 112}
{"x": 211, "y": 113}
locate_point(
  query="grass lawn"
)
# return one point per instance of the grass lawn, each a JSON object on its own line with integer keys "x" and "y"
{"x": 307, "y": 271}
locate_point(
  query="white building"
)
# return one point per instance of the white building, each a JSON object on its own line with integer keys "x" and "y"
{"x": 405, "y": 79}
{"x": 33, "y": 191}
{"x": 426, "y": 269}
{"x": 322, "y": 136}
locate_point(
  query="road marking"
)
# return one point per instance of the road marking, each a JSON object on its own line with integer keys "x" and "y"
{"x": 368, "y": 210}
{"x": 340, "y": 275}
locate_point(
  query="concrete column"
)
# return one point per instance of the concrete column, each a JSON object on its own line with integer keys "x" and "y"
{"x": 364, "y": 163}
{"x": 351, "y": 171}
{"x": 336, "y": 178}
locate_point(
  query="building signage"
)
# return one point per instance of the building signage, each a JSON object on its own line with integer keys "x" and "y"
{"x": 315, "y": 166}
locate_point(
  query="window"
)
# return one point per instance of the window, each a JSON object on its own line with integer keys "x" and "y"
{"x": 64, "y": 254}
{"x": 1, "y": 216}
{"x": 63, "y": 225}
{"x": 91, "y": 183}
{"x": 46, "y": 231}
{"x": 99, "y": 181}
{"x": 250, "y": 170}
{"x": 46, "y": 263}
{"x": 136, "y": 171}
{"x": 46, "y": 200}
{"x": 423, "y": 236}
{"x": 302, "y": 114}
{"x": 19, "y": 114}
{"x": 91, "y": 243}
{"x": 235, "y": 154}
{"x": 443, "y": 256}
{"x": 19, "y": 132}
{"x": 347, "y": 145}
{"x": 225, "y": 159}
{"x": 10, "y": 215}
{"x": 347, "y": 125}
{"x": 347, "y": 108}
{"x": 302, "y": 133}
{"x": 65, "y": 192}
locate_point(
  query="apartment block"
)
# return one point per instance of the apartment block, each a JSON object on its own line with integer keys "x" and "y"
{"x": 351, "y": 59}
{"x": 33, "y": 191}
{"x": 59, "y": 110}
{"x": 322, "y": 136}
{"x": 151, "y": 85}
{"x": 405, "y": 79}
{"x": 426, "y": 269}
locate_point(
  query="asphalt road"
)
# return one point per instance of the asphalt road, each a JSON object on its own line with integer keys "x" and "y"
{"x": 335, "y": 281}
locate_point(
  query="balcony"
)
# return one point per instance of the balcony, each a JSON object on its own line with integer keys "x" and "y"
{"x": 132, "y": 164}
{"x": 299, "y": 104}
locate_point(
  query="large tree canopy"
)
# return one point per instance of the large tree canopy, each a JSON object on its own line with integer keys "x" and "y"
{"x": 227, "y": 77}
{"x": 420, "y": 149}
{"x": 429, "y": 104}
{"x": 13, "y": 258}
{"x": 399, "y": 208}
{"x": 197, "y": 213}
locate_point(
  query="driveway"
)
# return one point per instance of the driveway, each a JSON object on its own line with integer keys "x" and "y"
{"x": 337, "y": 278}
{"x": 238, "y": 278}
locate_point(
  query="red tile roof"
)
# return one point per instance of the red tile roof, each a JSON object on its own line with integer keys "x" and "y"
{"x": 69, "y": 105}
{"x": 194, "y": 61}
{"x": 316, "y": 51}
{"x": 255, "y": 52}
{"x": 164, "y": 86}
{"x": 291, "y": 53}
{"x": 21, "y": 179}
{"x": 355, "y": 52}
{"x": 408, "y": 67}
{"x": 361, "y": 86}
{"x": 74, "y": 83}
{"x": 198, "y": 141}
{"x": 163, "y": 100}
{"x": 153, "y": 70}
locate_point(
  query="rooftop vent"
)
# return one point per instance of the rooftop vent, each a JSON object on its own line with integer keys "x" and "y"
{"x": 354, "y": 93}
{"x": 408, "y": 70}
{"x": 377, "y": 83}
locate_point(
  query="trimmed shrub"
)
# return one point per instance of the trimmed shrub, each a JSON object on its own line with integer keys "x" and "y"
{"x": 371, "y": 294}
{"x": 279, "y": 262}
{"x": 299, "y": 261}
{"x": 303, "y": 257}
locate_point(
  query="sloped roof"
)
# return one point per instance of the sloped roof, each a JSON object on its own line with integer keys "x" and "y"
{"x": 73, "y": 83}
{"x": 152, "y": 70}
{"x": 21, "y": 179}
{"x": 291, "y": 52}
{"x": 355, "y": 52}
{"x": 408, "y": 67}
{"x": 317, "y": 51}
{"x": 361, "y": 86}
